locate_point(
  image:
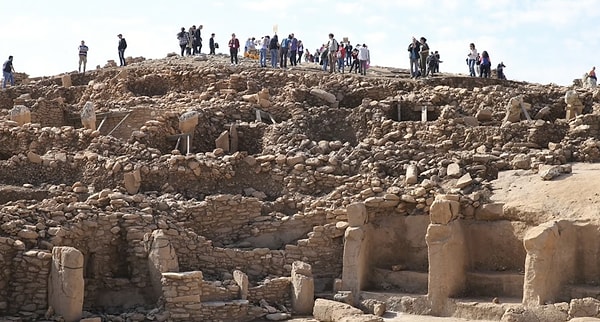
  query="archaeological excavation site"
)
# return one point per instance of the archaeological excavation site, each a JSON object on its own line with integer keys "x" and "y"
{"x": 185, "y": 189}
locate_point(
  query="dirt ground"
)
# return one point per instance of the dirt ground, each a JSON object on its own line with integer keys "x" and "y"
{"x": 569, "y": 196}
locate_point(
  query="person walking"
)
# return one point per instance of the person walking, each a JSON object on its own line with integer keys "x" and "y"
{"x": 83, "y": 49}
{"x": 212, "y": 44}
{"x": 332, "y": 47}
{"x": 7, "y": 71}
{"x": 413, "y": 54}
{"x": 234, "y": 46}
{"x": 472, "y": 59}
{"x": 300, "y": 51}
{"x": 183, "y": 38}
{"x": 121, "y": 48}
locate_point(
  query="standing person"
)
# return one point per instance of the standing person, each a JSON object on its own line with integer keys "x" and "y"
{"x": 274, "y": 49}
{"x": 364, "y": 57}
{"x": 486, "y": 65}
{"x": 121, "y": 48}
{"x": 348, "y": 54}
{"x": 234, "y": 46}
{"x": 264, "y": 46}
{"x": 300, "y": 51}
{"x": 500, "y": 71}
{"x": 341, "y": 58}
{"x": 591, "y": 74}
{"x": 188, "y": 48}
{"x": 413, "y": 54}
{"x": 7, "y": 71}
{"x": 332, "y": 47}
{"x": 423, "y": 53}
{"x": 471, "y": 59}
{"x": 355, "y": 62}
{"x": 183, "y": 38}
{"x": 293, "y": 50}
{"x": 197, "y": 40}
{"x": 325, "y": 58}
{"x": 283, "y": 51}
{"x": 212, "y": 44}
{"x": 83, "y": 49}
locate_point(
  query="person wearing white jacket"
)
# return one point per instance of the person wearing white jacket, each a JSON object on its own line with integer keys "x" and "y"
{"x": 471, "y": 59}
{"x": 364, "y": 58}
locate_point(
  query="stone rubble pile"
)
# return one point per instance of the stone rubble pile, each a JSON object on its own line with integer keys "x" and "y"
{"x": 253, "y": 217}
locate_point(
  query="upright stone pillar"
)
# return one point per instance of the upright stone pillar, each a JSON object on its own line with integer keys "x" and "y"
{"x": 222, "y": 142}
{"x": 161, "y": 258}
{"x": 303, "y": 288}
{"x": 66, "y": 81}
{"x": 541, "y": 282}
{"x": 66, "y": 284}
{"x": 447, "y": 254}
{"x": 88, "y": 116}
{"x": 233, "y": 138}
{"x": 187, "y": 125}
{"x": 574, "y": 106}
{"x": 354, "y": 271}
{"x": 20, "y": 114}
{"x": 242, "y": 281}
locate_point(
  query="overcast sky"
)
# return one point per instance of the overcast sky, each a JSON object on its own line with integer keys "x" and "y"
{"x": 541, "y": 41}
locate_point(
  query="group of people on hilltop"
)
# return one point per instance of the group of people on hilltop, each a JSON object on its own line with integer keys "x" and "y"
{"x": 481, "y": 65}
{"x": 336, "y": 56}
{"x": 288, "y": 49}
{"x": 190, "y": 41}
{"x": 421, "y": 62}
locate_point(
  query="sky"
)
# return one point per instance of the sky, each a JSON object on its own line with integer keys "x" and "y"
{"x": 540, "y": 41}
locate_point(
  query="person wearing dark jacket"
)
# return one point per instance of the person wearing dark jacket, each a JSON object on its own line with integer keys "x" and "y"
{"x": 212, "y": 44}
{"x": 197, "y": 42}
{"x": 121, "y": 48}
{"x": 274, "y": 49}
{"x": 234, "y": 46}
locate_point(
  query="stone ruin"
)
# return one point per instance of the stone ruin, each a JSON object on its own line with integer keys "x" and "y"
{"x": 213, "y": 193}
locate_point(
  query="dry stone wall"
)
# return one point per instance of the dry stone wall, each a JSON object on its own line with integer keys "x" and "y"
{"x": 281, "y": 197}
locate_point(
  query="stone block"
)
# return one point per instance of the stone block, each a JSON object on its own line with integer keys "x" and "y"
{"x": 443, "y": 211}
{"x": 412, "y": 174}
{"x": 88, "y": 116}
{"x": 188, "y": 122}
{"x": 20, "y": 114}
{"x": 490, "y": 211}
{"x": 453, "y": 170}
{"x": 327, "y": 310}
{"x": 66, "y": 81}
{"x": 464, "y": 181}
{"x": 222, "y": 142}
{"x": 324, "y": 95}
{"x": 357, "y": 214}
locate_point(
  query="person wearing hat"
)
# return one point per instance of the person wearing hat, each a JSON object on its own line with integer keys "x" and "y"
{"x": 121, "y": 48}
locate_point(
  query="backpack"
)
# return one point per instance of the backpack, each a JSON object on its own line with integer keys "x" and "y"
{"x": 285, "y": 43}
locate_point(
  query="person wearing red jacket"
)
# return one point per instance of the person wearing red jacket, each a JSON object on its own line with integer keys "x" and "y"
{"x": 234, "y": 46}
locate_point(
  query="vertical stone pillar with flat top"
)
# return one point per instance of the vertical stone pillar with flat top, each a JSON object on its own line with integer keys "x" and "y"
{"x": 20, "y": 114}
{"x": 161, "y": 258}
{"x": 66, "y": 283}
{"x": 88, "y": 116}
{"x": 303, "y": 288}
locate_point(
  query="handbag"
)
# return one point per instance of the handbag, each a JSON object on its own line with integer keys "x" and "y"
{"x": 217, "y": 45}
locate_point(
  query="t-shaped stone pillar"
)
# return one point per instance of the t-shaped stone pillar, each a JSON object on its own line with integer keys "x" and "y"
{"x": 162, "y": 258}
{"x": 187, "y": 125}
{"x": 88, "y": 116}
{"x": 354, "y": 271}
{"x": 574, "y": 106}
